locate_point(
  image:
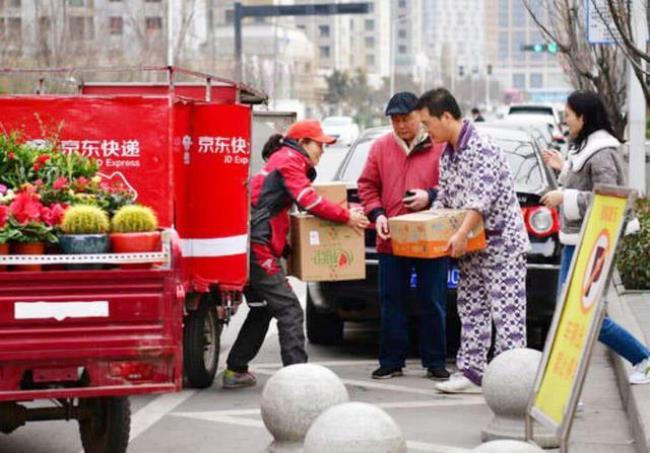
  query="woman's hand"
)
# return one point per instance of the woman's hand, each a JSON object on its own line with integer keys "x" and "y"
{"x": 358, "y": 220}
{"x": 553, "y": 199}
{"x": 553, "y": 159}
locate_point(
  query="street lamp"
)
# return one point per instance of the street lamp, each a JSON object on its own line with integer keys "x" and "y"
{"x": 393, "y": 33}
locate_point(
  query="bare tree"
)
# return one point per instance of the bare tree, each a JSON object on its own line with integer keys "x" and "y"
{"x": 594, "y": 67}
{"x": 622, "y": 29}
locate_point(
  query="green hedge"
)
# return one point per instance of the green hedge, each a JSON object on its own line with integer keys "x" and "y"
{"x": 633, "y": 259}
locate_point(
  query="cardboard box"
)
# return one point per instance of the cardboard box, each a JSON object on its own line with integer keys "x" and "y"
{"x": 336, "y": 192}
{"x": 325, "y": 251}
{"x": 426, "y": 234}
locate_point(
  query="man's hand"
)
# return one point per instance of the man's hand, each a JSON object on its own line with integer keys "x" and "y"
{"x": 358, "y": 220}
{"x": 381, "y": 225}
{"x": 553, "y": 198}
{"x": 418, "y": 201}
{"x": 457, "y": 244}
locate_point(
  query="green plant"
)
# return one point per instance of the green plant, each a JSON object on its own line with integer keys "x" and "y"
{"x": 84, "y": 219}
{"x": 633, "y": 258}
{"x": 134, "y": 219}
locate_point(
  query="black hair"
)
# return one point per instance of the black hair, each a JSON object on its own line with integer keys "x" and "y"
{"x": 475, "y": 110}
{"x": 439, "y": 101}
{"x": 273, "y": 144}
{"x": 590, "y": 107}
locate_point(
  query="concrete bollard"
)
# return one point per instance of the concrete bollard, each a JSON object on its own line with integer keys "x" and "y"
{"x": 354, "y": 428}
{"x": 507, "y": 446}
{"x": 508, "y": 386}
{"x": 293, "y": 398}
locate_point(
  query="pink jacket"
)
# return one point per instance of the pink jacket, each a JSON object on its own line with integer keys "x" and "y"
{"x": 390, "y": 172}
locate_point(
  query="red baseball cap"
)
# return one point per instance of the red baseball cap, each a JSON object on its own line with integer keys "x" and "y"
{"x": 310, "y": 129}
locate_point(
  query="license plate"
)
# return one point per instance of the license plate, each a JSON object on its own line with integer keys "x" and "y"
{"x": 453, "y": 276}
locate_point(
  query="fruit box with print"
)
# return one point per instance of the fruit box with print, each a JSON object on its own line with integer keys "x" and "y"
{"x": 426, "y": 234}
{"x": 90, "y": 338}
{"x": 325, "y": 251}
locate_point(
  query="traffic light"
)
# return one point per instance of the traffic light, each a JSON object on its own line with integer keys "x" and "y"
{"x": 550, "y": 47}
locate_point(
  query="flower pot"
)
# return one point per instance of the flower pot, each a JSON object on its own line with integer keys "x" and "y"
{"x": 28, "y": 248}
{"x": 4, "y": 250}
{"x": 73, "y": 244}
{"x": 135, "y": 243}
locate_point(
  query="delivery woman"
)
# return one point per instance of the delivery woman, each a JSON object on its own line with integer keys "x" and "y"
{"x": 285, "y": 179}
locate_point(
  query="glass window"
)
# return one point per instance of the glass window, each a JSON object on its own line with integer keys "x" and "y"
{"x": 401, "y": 33}
{"x": 15, "y": 3}
{"x": 324, "y": 51}
{"x": 402, "y": 49}
{"x": 77, "y": 27}
{"x": 153, "y": 24}
{"x": 524, "y": 164}
{"x": 504, "y": 14}
{"x": 116, "y": 25}
{"x": 503, "y": 45}
{"x": 518, "y": 40}
{"x": 401, "y": 3}
{"x": 324, "y": 31}
{"x": 519, "y": 81}
{"x": 536, "y": 80}
{"x": 518, "y": 14}
{"x": 357, "y": 161}
{"x": 370, "y": 60}
{"x": 230, "y": 16}
{"x": 370, "y": 42}
{"x": 370, "y": 24}
{"x": 2, "y": 26}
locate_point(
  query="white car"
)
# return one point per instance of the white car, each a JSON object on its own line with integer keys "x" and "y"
{"x": 538, "y": 113}
{"x": 343, "y": 128}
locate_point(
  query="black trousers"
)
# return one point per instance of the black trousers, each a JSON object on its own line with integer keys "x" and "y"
{"x": 281, "y": 304}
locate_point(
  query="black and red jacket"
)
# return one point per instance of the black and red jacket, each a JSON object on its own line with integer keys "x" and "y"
{"x": 285, "y": 179}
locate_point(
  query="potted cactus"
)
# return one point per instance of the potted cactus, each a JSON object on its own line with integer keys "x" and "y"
{"x": 135, "y": 230}
{"x": 85, "y": 231}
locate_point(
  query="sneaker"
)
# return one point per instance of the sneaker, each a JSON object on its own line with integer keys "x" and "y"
{"x": 438, "y": 374}
{"x": 386, "y": 373}
{"x": 641, "y": 373}
{"x": 458, "y": 384}
{"x": 234, "y": 380}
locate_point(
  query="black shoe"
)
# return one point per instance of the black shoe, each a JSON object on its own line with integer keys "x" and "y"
{"x": 386, "y": 373}
{"x": 438, "y": 374}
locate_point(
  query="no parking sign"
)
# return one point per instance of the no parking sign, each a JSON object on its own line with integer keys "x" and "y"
{"x": 579, "y": 314}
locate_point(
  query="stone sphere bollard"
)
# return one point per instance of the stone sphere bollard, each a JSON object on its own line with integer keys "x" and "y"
{"x": 354, "y": 428}
{"x": 508, "y": 386}
{"x": 507, "y": 446}
{"x": 293, "y": 398}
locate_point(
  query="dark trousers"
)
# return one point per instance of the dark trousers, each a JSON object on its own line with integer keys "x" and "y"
{"x": 281, "y": 304}
{"x": 394, "y": 289}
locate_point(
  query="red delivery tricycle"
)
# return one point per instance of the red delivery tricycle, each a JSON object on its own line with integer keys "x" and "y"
{"x": 86, "y": 339}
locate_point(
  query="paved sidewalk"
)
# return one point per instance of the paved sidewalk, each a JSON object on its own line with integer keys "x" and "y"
{"x": 632, "y": 310}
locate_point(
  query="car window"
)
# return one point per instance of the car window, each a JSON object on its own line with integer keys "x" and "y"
{"x": 524, "y": 164}
{"x": 356, "y": 160}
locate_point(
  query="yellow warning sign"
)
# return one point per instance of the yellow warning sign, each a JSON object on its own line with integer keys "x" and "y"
{"x": 586, "y": 283}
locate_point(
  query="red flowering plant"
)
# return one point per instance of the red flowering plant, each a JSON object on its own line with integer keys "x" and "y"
{"x": 28, "y": 220}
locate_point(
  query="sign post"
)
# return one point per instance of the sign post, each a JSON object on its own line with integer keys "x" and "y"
{"x": 578, "y": 316}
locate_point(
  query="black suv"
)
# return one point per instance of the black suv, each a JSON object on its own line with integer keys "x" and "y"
{"x": 330, "y": 304}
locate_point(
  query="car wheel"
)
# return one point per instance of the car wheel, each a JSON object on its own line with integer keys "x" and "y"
{"x": 323, "y": 328}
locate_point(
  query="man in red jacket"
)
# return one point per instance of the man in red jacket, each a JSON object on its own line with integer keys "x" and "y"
{"x": 401, "y": 176}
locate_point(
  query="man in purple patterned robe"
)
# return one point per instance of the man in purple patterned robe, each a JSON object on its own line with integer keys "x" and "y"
{"x": 475, "y": 175}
